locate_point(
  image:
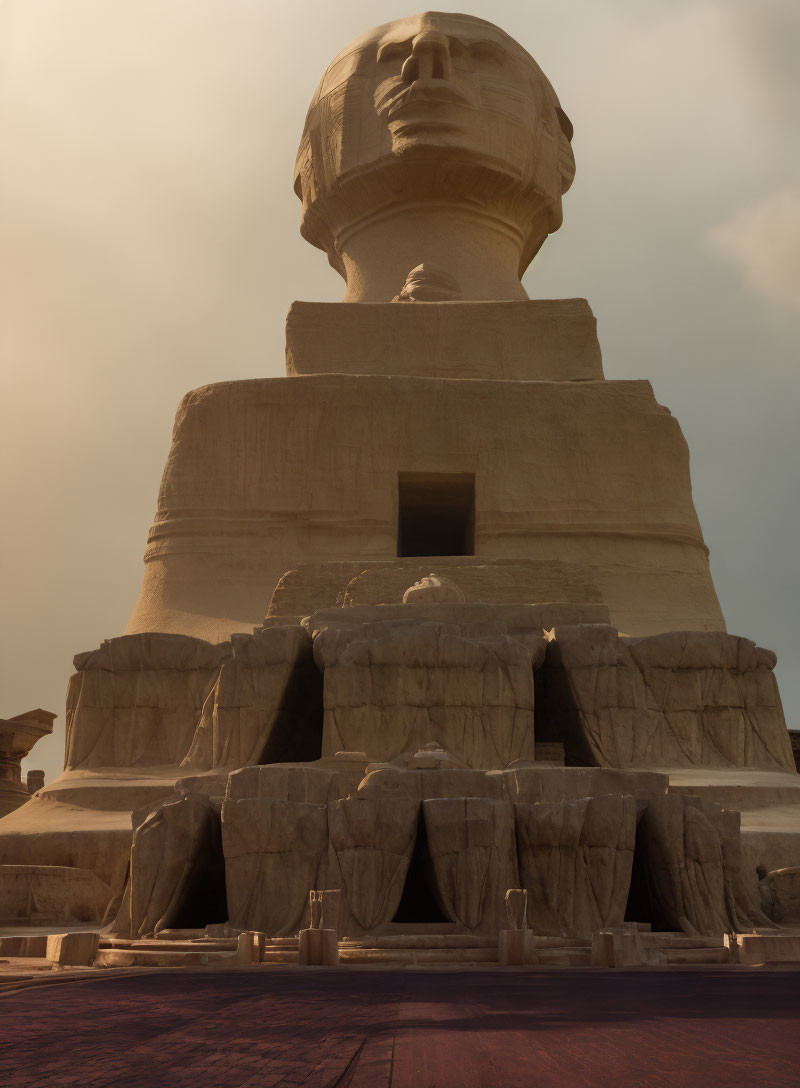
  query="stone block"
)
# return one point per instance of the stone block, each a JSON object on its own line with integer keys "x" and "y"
{"x": 680, "y": 699}
{"x": 575, "y": 860}
{"x": 176, "y": 868}
{"x": 689, "y": 867}
{"x": 371, "y": 842}
{"x": 617, "y": 948}
{"x": 758, "y": 948}
{"x": 50, "y": 895}
{"x": 473, "y": 858}
{"x": 258, "y": 709}
{"x": 780, "y": 895}
{"x": 318, "y": 947}
{"x": 274, "y": 854}
{"x": 539, "y": 340}
{"x": 395, "y": 686}
{"x": 72, "y": 949}
{"x": 560, "y": 467}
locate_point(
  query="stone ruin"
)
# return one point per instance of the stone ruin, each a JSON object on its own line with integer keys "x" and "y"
{"x": 428, "y": 663}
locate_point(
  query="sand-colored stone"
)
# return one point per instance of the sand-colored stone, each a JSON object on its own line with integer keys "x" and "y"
{"x": 395, "y": 686}
{"x": 146, "y": 711}
{"x": 434, "y": 138}
{"x": 689, "y": 867}
{"x": 17, "y": 736}
{"x": 559, "y": 472}
{"x": 473, "y": 858}
{"x": 575, "y": 860}
{"x": 274, "y": 854}
{"x": 371, "y": 843}
{"x": 42, "y": 895}
{"x": 176, "y": 868}
{"x": 373, "y": 584}
{"x": 780, "y": 895}
{"x": 569, "y": 588}
{"x": 617, "y": 948}
{"x": 72, "y": 949}
{"x": 755, "y": 949}
{"x": 257, "y": 711}
{"x": 543, "y": 340}
{"x": 683, "y": 698}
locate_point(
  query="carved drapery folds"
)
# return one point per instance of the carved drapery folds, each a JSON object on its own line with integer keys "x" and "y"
{"x": 575, "y": 861}
{"x": 171, "y": 700}
{"x": 688, "y": 860}
{"x": 176, "y": 872}
{"x": 372, "y": 839}
{"x": 396, "y": 686}
{"x": 137, "y": 699}
{"x": 681, "y": 699}
{"x": 274, "y": 853}
{"x": 473, "y": 859}
{"x": 241, "y": 715}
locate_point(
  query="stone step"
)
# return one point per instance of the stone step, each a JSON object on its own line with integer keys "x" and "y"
{"x": 421, "y": 940}
{"x": 24, "y": 946}
{"x": 680, "y": 940}
{"x": 184, "y": 935}
{"x": 282, "y": 942}
{"x": 158, "y": 946}
{"x": 565, "y": 956}
{"x": 674, "y": 957}
{"x": 285, "y": 955}
{"x": 417, "y": 956}
{"x": 161, "y": 957}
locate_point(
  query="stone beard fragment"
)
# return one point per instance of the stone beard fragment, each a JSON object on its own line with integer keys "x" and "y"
{"x": 575, "y": 861}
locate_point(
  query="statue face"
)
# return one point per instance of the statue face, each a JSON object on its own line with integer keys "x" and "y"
{"x": 437, "y": 81}
{"x": 438, "y": 88}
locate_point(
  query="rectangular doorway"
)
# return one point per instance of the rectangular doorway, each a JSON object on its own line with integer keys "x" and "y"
{"x": 436, "y": 514}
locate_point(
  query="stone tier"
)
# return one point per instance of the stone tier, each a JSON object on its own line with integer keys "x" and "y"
{"x": 266, "y": 475}
{"x": 542, "y": 340}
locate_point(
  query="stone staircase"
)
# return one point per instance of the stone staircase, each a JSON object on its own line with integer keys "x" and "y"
{"x": 195, "y": 948}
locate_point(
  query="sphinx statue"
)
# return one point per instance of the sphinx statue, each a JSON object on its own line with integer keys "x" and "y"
{"x": 430, "y": 619}
{"x": 434, "y": 138}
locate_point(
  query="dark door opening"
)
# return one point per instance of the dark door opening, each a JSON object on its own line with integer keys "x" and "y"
{"x": 436, "y": 514}
{"x": 418, "y": 903}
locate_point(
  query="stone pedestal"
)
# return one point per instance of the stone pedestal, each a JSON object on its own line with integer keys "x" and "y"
{"x": 318, "y": 948}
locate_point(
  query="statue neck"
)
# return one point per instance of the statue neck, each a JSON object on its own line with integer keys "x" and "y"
{"x": 482, "y": 253}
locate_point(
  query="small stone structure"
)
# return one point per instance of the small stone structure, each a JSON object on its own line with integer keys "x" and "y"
{"x": 17, "y": 736}
{"x": 427, "y": 660}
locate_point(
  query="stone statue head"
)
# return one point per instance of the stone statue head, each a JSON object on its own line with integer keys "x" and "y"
{"x": 433, "y": 109}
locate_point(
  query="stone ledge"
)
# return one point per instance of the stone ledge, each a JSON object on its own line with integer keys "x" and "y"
{"x": 541, "y": 340}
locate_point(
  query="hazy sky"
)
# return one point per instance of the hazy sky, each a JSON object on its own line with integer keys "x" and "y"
{"x": 150, "y": 245}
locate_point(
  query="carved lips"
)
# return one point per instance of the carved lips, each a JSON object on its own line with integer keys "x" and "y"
{"x": 424, "y": 101}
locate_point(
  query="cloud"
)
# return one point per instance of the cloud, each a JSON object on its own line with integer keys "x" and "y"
{"x": 763, "y": 242}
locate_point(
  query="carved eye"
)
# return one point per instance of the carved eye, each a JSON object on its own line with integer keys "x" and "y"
{"x": 486, "y": 53}
{"x": 394, "y": 51}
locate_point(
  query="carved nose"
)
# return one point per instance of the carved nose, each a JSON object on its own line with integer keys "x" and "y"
{"x": 430, "y": 58}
